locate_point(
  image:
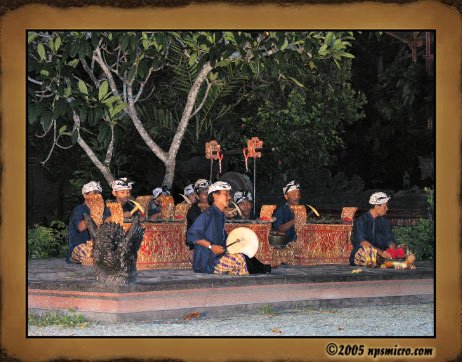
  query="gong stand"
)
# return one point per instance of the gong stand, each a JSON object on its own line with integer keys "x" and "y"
{"x": 213, "y": 152}
{"x": 253, "y": 146}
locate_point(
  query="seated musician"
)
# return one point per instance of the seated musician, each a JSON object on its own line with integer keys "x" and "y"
{"x": 201, "y": 187}
{"x": 154, "y": 208}
{"x": 372, "y": 235}
{"x": 208, "y": 235}
{"x": 244, "y": 201}
{"x": 121, "y": 190}
{"x": 285, "y": 218}
{"x": 190, "y": 194}
{"x": 78, "y": 233}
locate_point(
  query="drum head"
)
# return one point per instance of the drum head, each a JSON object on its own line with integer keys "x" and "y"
{"x": 248, "y": 242}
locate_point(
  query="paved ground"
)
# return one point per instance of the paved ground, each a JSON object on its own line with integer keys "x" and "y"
{"x": 57, "y": 275}
{"x": 400, "y": 320}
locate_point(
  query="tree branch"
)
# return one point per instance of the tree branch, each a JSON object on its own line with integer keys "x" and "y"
{"x": 89, "y": 72}
{"x": 34, "y": 81}
{"x": 143, "y": 84}
{"x": 186, "y": 116}
{"x": 163, "y": 156}
{"x": 209, "y": 85}
{"x": 110, "y": 148}
{"x": 91, "y": 155}
{"x": 107, "y": 72}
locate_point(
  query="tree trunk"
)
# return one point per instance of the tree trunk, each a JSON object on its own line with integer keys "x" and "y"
{"x": 178, "y": 138}
{"x": 91, "y": 155}
{"x": 99, "y": 165}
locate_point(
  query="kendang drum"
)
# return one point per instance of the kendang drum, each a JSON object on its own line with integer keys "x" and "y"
{"x": 242, "y": 240}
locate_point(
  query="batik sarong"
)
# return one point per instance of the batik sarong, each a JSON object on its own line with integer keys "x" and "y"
{"x": 366, "y": 256}
{"x": 80, "y": 253}
{"x": 231, "y": 264}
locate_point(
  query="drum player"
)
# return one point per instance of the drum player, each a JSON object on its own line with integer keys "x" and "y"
{"x": 208, "y": 235}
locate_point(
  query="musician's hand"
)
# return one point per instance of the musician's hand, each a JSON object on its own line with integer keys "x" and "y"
{"x": 229, "y": 212}
{"x": 127, "y": 215}
{"x": 384, "y": 254}
{"x": 217, "y": 249}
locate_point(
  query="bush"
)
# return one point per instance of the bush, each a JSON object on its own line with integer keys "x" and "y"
{"x": 45, "y": 242}
{"x": 420, "y": 237}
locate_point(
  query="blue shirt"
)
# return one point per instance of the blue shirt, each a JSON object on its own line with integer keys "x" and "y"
{"x": 284, "y": 214}
{"x": 377, "y": 231}
{"x": 153, "y": 208}
{"x": 210, "y": 226}
{"x": 75, "y": 236}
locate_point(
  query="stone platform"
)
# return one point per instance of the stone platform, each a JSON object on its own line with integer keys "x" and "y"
{"x": 165, "y": 294}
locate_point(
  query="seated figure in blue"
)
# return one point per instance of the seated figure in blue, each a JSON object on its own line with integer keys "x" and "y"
{"x": 372, "y": 235}
{"x": 154, "y": 207}
{"x": 208, "y": 235}
{"x": 285, "y": 218}
{"x": 78, "y": 232}
{"x": 243, "y": 199}
{"x": 122, "y": 191}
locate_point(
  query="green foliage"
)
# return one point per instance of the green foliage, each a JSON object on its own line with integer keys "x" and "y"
{"x": 45, "y": 242}
{"x": 67, "y": 79}
{"x": 69, "y": 319}
{"x": 304, "y": 124}
{"x": 420, "y": 237}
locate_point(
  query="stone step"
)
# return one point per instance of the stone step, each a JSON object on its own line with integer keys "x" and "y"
{"x": 164, "y": 294}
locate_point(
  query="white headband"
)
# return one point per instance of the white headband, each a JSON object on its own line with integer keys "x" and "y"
{"x": 160, "y": 190}
{"x": 219, "y": 185}
{"x": 91, "y": 186}
{"x": 201, "y": 185}
{"x": 188, "y": 190}
{"x": 379, "y": 198}
{"x": 292, "y": 185}
{"x": 122, "y": 184}
{"x": 240, "y": 196}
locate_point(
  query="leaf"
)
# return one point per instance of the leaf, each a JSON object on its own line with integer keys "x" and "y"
{"x": 45, "y": 72}
{"x": 62, "y": 129}
{"x": 124, "y": 42}
{"x": 103, "y": 89}
{"x": 119, "y": 107}
{"x": 51, "y": 44}
{"x": 328, "y": 38}
{"x": 190, "y": 316}
{"x": 131, "y": 74}
{"x": 73, "y": 63}
{"x": 347, "y": 55}
{"x": 41, "y": 51}
{"x": 31, "y": 36}
{"x": 46, "y": 121}
{"x": 32, "y": 113}
{"x": 296, "y": 82}
{"x": 111, "y": 99}
{"x": 192, "y": 59}
{"x": 356, "y": 271}
{"x": 83, "y": 87}
{"x": 276, "y": 330}
{"x": 285, "y": 44}
{"x": 57, "y": 43}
